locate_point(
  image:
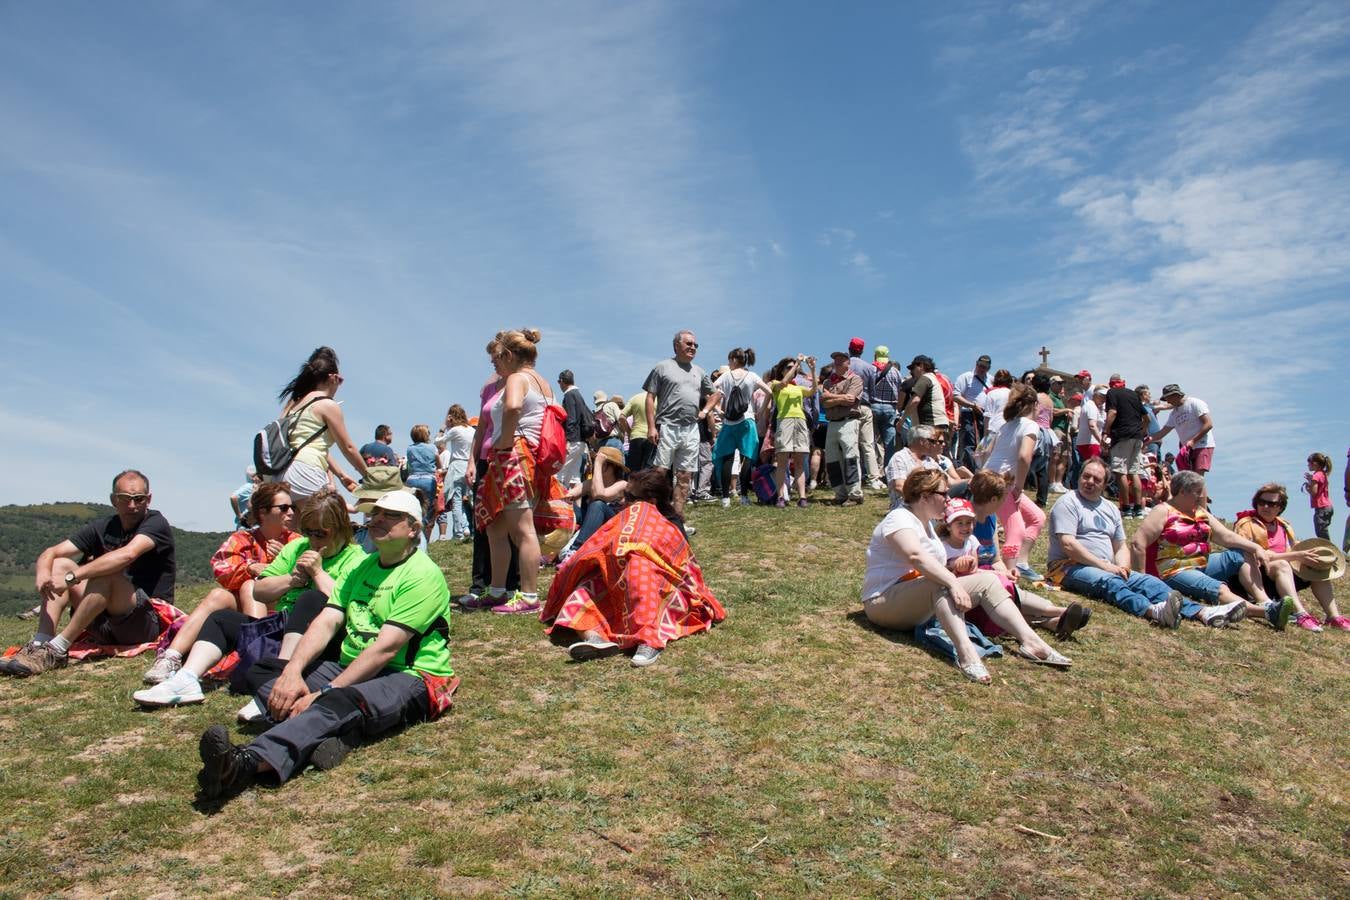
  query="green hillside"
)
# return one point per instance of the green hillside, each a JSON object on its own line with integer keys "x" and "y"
{"x": 25, "y": 531}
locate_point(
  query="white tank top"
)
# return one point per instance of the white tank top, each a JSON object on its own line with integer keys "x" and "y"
{"x": 531, "y": 421}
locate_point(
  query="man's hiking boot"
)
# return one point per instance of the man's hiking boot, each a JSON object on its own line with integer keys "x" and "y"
{"x": 226, "y": 769}
{"x": 333, "y": 750}
{"x": 34, "y": 659}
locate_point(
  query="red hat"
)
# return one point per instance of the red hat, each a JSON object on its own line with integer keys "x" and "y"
{"x": 1084, "y": 375}
{"x": 856, "y": 345}
{"x": 958, "y": 507}
{"x": 1077, "y": 397}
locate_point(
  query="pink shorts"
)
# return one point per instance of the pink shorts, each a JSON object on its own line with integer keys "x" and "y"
{"x": 1202, "y": 460}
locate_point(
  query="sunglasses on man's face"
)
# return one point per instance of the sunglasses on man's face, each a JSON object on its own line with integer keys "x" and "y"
{"x": 131, "y": 498}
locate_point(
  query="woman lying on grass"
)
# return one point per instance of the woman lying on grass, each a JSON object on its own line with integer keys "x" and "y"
{"x": 295, "y": 586}
{"x": 907, "y": 581}
{"x": 236, "y": 565}
{"x": 633, "y": 584}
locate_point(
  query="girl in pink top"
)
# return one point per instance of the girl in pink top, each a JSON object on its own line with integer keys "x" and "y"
{"x": 1315, "y": 483}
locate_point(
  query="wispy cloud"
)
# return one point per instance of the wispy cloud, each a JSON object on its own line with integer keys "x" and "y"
{"x": 853, "y": 258}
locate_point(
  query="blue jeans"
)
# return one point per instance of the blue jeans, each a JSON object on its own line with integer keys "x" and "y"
{"x": 456, "y": 489}
{"x": 1134, "y": 594}
{"x": 426, "y": 484}
{"x": 967, "y": 439}
{"x": 597, "y": 513}
{"x": 1203, "y": 584}
{"x": 883, "y": 428}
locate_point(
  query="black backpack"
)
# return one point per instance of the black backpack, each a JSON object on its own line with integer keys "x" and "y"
{"x": 737, "y": 402}
{"x": 272, "y": 452}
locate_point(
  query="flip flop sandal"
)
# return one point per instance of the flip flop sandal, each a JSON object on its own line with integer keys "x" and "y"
{"x": 1072, "y": 619}
{"x": 975, "y": 671}
{"x": 1055, "y": 658}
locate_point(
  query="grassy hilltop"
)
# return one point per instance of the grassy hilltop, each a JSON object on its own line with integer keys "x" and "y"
{"x": 793, "y": 750}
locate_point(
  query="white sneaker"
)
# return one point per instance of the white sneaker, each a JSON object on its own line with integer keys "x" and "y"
{"x": 164, "y": 668}
{"x": 248, "y": 713}
{"x": 1227, "y": 614}
{"x": 183, "y": 688}
{"x": 645, "y": 656}
{"x": 1058, "y": 488}
{"x": 726, "y": 502}
{"x": 876, "y": 485}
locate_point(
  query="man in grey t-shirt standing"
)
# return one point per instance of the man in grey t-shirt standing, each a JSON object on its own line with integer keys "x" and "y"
{"x": 676, "y": 389}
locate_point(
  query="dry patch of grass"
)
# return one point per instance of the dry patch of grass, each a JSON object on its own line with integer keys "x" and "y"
{"x": 794, "y": 749}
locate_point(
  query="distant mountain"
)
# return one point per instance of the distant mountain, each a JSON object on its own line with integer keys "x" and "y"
{"x": 25, "y": 531}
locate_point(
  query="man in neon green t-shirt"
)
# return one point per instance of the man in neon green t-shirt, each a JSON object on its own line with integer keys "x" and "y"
{"x": 393, "y": 611}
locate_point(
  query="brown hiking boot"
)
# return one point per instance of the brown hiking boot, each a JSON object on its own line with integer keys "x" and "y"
{"x": 34, "y": 659}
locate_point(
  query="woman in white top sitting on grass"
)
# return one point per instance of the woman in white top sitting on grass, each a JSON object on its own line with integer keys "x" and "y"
{"x": 907, "y": 581}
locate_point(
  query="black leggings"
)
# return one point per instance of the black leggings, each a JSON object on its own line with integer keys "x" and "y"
{"x": 221, "y": 628}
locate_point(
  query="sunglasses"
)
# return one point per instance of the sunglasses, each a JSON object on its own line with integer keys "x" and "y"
{"x": 318, "y": 534}
{"x": 939, "y": 493}
{"x": 380, "y": 512}
{"x": 131, "y": 498}
{"x": 284, "y": 507}
{"x": 1262, "y": 501}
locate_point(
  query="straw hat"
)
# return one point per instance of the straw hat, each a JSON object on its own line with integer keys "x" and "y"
{"x": 379, "y": 481}
{"x": 1328, "y": 561}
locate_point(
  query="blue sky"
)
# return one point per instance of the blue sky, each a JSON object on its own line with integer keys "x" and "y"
{"x": 197, "y": 194}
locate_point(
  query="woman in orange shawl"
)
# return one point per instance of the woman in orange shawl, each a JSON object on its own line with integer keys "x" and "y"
{"x": 634, "y": 583}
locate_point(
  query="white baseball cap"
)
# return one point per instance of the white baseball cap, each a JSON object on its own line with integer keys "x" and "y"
{"x": 402, "y": 502}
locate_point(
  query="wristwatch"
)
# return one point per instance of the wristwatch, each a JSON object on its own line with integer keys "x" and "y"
{"x": 71, "y": 579}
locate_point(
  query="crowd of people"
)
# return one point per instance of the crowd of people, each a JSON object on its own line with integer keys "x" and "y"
{"x": 331, "y": 616}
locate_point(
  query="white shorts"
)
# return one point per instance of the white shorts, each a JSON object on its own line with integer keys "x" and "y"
{"x": 304, "y": 479}
{"x": 677, "y": 448}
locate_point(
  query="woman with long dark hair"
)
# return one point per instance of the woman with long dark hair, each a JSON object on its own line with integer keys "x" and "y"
{"x": 319, "y": 425}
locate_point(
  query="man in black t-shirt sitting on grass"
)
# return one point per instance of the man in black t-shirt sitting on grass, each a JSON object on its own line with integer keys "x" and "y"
{"x": 123, "y": 561}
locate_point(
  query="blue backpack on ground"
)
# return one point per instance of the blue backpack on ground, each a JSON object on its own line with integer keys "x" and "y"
{"x": 761, "y": 482}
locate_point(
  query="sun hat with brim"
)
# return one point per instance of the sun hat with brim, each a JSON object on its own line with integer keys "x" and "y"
{"x": 614, "y": 455}
{"x": 379, "y": 481}
{"x": 1328, "y": 561}
{"x": 599, "y": 397}
{"x": 1171, "y": 390}
{"x": 401, "y": 501}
